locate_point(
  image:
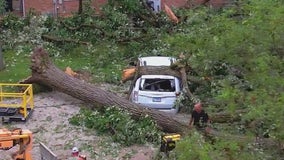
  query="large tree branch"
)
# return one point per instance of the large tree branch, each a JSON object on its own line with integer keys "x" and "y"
{"x": 45, "y": 72}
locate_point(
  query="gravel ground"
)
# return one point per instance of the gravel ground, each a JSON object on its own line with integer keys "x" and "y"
{"x": 49, "y": 124}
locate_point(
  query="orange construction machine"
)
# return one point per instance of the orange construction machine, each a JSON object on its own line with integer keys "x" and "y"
{"x": 17, "y": 137}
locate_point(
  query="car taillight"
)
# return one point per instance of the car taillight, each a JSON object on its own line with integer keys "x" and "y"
{"x": 135, "y": 96}
{"x": 177, "y": 94}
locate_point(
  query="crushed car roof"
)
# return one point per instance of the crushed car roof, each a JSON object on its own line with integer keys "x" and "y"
{"x": 156, "y": 61}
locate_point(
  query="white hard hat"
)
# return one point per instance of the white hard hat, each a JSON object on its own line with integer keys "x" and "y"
{"x": 75, "y": 150}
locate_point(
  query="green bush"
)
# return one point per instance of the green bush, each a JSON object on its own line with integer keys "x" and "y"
{"x": 197, "y": 147}
{"x": 2, "y": 6}
{"x": 119, "y": 125}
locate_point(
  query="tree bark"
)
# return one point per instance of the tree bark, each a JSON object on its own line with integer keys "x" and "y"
{"x": 185, "y": 86}
{"x": 80, "y": 8}
{"x": 197, "y": 80}
{"x": 160, "y": 70}
{"x": 225, "y": 117}
{"x": 45, "y": 72}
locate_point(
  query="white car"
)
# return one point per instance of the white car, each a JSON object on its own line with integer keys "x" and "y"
{"x": 157, "y": 91}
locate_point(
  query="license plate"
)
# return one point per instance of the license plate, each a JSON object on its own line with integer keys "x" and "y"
{"x": 156, "y": 99}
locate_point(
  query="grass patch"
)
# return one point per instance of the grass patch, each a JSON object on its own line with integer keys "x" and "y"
{"x": 16, "y": 67}
{"x": 103, "y": 62}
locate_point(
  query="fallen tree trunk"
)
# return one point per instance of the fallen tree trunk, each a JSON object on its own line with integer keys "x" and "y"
{"x": 45, "y": 72}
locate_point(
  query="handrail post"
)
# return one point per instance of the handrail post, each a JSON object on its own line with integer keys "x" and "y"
{"x": 32, "y": 97}
{"x": 24, "y": 105}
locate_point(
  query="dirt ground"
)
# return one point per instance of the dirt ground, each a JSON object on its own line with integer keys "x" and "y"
{"x": 50, "y": 126}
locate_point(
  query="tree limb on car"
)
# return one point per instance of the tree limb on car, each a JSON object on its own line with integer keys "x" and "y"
{"x": 45, "y": 72}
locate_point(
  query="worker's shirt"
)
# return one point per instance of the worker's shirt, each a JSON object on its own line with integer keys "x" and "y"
{"x": 199, "y": 119}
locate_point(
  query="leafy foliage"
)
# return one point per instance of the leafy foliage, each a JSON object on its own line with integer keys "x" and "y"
{"x": 236, "y": 52}
{"x": 194, "y": 147}
{"x": 2, "y": 6}
{"x": 119, "y": 125}
{"x": 126, "y": 6}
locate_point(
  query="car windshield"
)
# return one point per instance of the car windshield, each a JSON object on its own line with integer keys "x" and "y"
{"x": 158, "y": 85}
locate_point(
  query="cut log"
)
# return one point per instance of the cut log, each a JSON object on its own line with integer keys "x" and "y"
{"x": 225, "y": 117}
{"x": 198, "y": 80}
{"x": 45, "y": 72}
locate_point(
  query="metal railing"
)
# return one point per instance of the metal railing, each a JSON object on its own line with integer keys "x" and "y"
{"x": 17, "y": 96}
